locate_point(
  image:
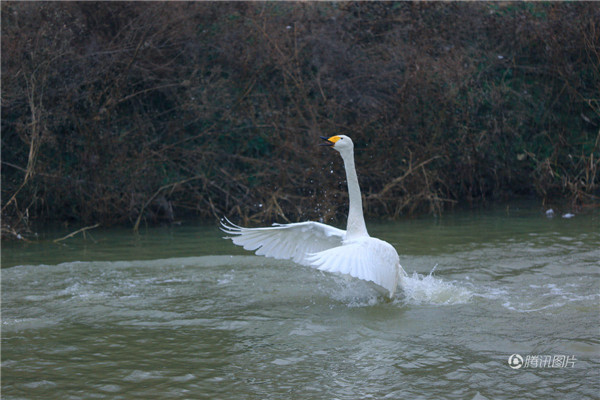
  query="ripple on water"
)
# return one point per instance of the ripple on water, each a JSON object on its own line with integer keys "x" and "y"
{"x": 249, "y": 327}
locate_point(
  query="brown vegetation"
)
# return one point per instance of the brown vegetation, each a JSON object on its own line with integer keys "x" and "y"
{"x": 130, "y": 112}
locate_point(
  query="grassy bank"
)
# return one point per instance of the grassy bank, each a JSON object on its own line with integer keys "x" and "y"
{"x": 144, "y": 112}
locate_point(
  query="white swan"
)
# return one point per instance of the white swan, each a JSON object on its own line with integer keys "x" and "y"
{"x": 324, "y": 247}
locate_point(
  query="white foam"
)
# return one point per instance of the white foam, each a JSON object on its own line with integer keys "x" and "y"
{"x": 421, "y": 289}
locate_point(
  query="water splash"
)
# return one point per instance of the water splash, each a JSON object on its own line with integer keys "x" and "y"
{"x": 427, "y": 289}
{"x": 415, "y": 289}
{"x": 352, "y": 292}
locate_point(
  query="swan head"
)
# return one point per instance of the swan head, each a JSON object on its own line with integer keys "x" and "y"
{"x": 341, "y": 143}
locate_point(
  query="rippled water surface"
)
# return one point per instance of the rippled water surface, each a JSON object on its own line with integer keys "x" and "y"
{"x": 181, "y": 313}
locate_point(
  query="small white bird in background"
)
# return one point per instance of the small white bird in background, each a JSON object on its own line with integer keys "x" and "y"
{"x": 324, "y": 247}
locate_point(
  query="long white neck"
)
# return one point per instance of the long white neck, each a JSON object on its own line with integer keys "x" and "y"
{"x": 356, "y": 221}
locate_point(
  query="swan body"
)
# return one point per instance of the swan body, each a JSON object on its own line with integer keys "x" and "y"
{"x": 352, "y": 252}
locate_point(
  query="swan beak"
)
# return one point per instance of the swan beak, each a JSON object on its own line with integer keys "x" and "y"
{"x": 329, "y": 141}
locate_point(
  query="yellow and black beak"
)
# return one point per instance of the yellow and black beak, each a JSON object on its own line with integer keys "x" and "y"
{"x": 330, "y": 141}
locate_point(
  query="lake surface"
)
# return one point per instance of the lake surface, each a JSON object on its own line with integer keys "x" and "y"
{"x": 180, "y": 313}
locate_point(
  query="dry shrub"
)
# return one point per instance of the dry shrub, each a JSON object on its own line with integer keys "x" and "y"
{"x": 132, "y": 112}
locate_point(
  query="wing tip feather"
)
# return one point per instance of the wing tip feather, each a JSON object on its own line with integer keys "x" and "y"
{"x": 229, "y": 227}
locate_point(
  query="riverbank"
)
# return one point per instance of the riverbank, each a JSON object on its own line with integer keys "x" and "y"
{"x": 68, "y": 243}
{"x": 144, "y": 113}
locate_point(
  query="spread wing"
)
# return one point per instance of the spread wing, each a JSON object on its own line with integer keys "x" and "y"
{"x": 369, "y": 259}
{"x": 286, "y": 241}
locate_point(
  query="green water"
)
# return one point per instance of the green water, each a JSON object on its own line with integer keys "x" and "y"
{"x": 181, "y": 313}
